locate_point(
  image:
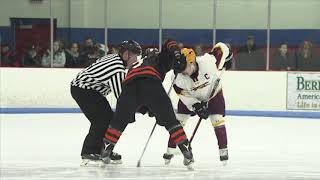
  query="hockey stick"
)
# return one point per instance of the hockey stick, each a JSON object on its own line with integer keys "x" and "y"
{"x": 213, "y": 94}
{"x": 194, "y": 132}
{"x": 154, "y": 126}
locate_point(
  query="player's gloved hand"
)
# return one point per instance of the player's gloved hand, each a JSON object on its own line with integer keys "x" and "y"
{"x": 171, "y": 45}
{"x": 180, "y": 63}
{"x": 201, "y": 109}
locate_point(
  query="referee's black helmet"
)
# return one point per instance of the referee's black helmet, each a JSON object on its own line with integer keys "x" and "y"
{"x": 131, "y": 46}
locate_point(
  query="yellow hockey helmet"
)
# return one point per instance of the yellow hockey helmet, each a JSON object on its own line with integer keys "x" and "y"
{"x": 189, "y": 54}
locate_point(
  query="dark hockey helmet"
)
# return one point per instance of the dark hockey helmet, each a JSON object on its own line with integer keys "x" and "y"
{"x": 131, "y": 46}
{"x": 150, "y": 52}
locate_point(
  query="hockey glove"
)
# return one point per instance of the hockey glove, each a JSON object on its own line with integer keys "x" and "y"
{"x": 180, "y": 63}
{"x": 201, "y": 110}
{"x": 171, "y": 45}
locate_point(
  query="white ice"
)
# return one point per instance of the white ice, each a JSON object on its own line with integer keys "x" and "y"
{"x": 47, "y": 146}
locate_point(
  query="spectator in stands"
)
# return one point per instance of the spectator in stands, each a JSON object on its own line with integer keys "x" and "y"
{"x": 306, "y": 58}
{"x": 114, "y": 50}
{"x": 88, "y": 42}
{"x": 249, "y": 57}
{"x": 100, "y": 50}
{"x": 180, "y": 45}
{"x": 86, "y": 52}
{"x": 282, "y": 60}
{"x": 8, "y": 59}
{"x": 31, "y": 58}
{"x": 92, "y": 54}
{"x": 198, "y": 49}
{"x": 72, "y": 56}
{"x": 59, "y": 56}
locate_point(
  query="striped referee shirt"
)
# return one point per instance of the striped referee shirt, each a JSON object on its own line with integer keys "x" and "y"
{"x": 104, "y": 75}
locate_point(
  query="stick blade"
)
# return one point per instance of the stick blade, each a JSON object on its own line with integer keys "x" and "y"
{"x": 139, "y": 164}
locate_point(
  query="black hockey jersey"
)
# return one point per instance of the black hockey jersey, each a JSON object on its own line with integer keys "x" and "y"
{"x": 156, "y": 66}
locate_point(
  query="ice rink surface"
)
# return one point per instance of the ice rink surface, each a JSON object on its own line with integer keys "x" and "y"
{"x": 47, "y": 146}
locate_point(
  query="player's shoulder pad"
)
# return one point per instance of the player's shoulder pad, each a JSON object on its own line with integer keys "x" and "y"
{"x": 220, "y": 48}
{"x": 206, "y": 58}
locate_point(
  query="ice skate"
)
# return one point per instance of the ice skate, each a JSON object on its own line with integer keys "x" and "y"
{"x": 169, "y": 155}
{"x": 106, "y": 152}
{"x": 90, "y": 160}
{"x": 188, "y": 160}
{"x": 224, "y": 156}
{"x": 167, "y": 158}
{"x": 115, "y": 158}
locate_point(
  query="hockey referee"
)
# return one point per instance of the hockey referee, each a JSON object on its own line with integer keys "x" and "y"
{"x": 89, "y": 89}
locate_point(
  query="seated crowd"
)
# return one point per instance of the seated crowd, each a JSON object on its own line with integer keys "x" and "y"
{"x": 283, "y": 58}
{"x": 248, "y": 57}
{"x": 72, "y": 56}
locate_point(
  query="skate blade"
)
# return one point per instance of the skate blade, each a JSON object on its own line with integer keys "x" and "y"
{"x": 106, "y": 160}
{"x": 102, "y": 164}
{"x": 167, "y": 162}
{"x": 190, "y": 167}
{"x": 116, "y": 161}
{"x": 224, "y": 163}
{"x": 90, "y": 163}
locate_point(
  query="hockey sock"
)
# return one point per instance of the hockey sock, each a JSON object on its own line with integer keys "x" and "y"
{"x": 171, "y": 143}
{"x": 218, "y": 123}
{"x": 178, "y": 136}
{"x": 112, "y": 135}
{"x": 221, "y": 135}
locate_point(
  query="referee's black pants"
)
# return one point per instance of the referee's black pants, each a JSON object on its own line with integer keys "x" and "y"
{"x": 98, "y": 111}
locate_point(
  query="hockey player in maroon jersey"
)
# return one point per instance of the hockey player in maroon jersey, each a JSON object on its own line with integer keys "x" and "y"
{"x": 194, "y": 87}
{"x": 143, "y": 87}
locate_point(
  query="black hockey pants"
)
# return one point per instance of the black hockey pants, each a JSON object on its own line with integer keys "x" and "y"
{"x": 98, "y": 111}
{"x": 144, "y": 92}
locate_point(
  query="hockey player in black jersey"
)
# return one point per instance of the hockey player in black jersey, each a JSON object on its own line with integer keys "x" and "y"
{"x": 143, "y": 87}
{"x": 89, "y": 89}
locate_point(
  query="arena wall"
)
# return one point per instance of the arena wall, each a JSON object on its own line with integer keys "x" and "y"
{"x": 42, "y": 90}
{"x": 49, "y": 88}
